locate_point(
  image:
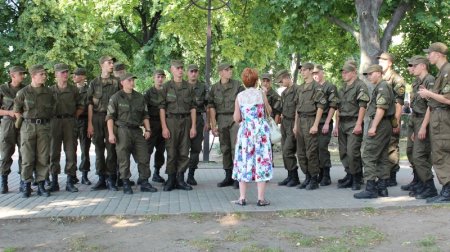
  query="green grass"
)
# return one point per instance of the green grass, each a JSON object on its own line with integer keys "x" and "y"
{"x": 80, "y": 244}
{"x": 203, "y": 244}
{"x": 369, "y": 210}
{"x": 365, "y": 236}
{"x": 196, "y": 217}
{"x": 155, "y": 217}
{"x": 258, "y": 248}
{"x": 9, "y": 249}
{"x": 239, "y": 235}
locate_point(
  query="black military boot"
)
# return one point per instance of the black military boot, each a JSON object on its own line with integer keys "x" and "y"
{"x": 428, "y": 191}
{"x": 181, "y": 184}
{"x": 70, "y": 187}
{"x": 382, "y": 187}
{"x": 235, "y": 184}
{"x": 127, "y": 187}
{"x": 118, "y": 181}
{"x": 320, "y": 177}
{"x": 356, "y": 182}
{"x": 4, "y": 184}
{"x": 170, "y": 183}
{"x": 416, "y": 189}
{"x": 228, "y": 181}
{"x": 156, "y": 177}
{"x": 101, "y": 184}
{"x": 48, "y": 182}
{"x": 294, "y": 181}
{"x": 342, "y": 180}
{"x": 190, "y": 179}
{"x": 346, "y": 183}
{"x": 287, "y": 179}
{"x": 84, "y": 179}
{"x": 305, "y": 182}
{"x": 443, "y": 197}
{"x": 75, "y": 179}
{"x": 313, "y": 184}
{"x": 326, "y": 179}
{"x": 54, "y": 187}
{"x": 371, "y": 191}
{"x": 111, "y": 183}
{"x": 147, "y": 187}
{"x": 41, "y": 189}
{"x": 393, "y": 179}
{"x": 414, "y": 181}
{"x": 26, "y": 189}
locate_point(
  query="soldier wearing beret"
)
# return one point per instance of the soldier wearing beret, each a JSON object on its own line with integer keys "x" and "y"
{"x": 156, "y": 140}
{"x": 127, "y": 111}
{"x": 9, "y": 134}
{"x": 221, "y": 104}
{"x": 397, "y": 83}
{"x": 311, "y": 102}
{"x": 178, "y": 122}
{"x": 68, "y": 106}
{"x": 99, "y": 92}
{"x": 325, "y": 124}
{"x": 353, "y": 99}
{"x": 35, "y": 103}
{"x": 380, "y": 110}
{"x": 439, "y": 104}
{"x": 288, "y": 141}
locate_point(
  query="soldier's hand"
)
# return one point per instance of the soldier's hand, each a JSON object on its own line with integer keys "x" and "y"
{"x": 357, "y": 130}
{"x": 325, "y": 128}
{"x": 215, "y": 132}
{"x": 422, "y": 133}
{"x": 313, "y": 130}
{"x": 11, "y": 114}
{"x": 90, "y": 130}
{"x": 372, "y": 132}
{"x": 396, "y": 130}
{"x": 166, "y": 133}
{"x": 147, "y": 135}
{"x": 277, "y": 119}
{"x": 335, "y": 132}
{"x": 192, "y": 133}
{"x": 112, "y": 139}
{"x": 412, "y": 137}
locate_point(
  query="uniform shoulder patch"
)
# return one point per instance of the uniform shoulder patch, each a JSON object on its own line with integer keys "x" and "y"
{"x": 446, "y": 89}
{"x": 381, "y": 101}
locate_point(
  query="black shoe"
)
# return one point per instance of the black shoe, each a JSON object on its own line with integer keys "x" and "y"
{"x": 382, "y": 188}
{"x": 313, "y": 184}
{"x": 241, "y": 202}
{"x": 75, "y": 180}
{"x": 100, "y": 185}
{"x": 111, "y": 183}
{"x": 236, "y": 184}
{"x": 356, "y": 182}
{"x": 409, "y": 186}
{"x": 305, "y": 182}
{"x": 156, "y": 177}
{"x": 119, "y": 183}
{"x": 26, "y": 189}
{"x": 325, "y": 180}
{"x": 181, "y": 184}
{"x": 287, "y": 179}
{"x": 228, "y": 181}
{"x": 263, "y": 203}
{"x": 429, "y": 190}
{"x": 190, "y": 179}
{"x": 48, "y": 182}
{"x": 346, "y": 183}
{"x": 147, "y": 187}
{"x": 54, "y": 187}
{"x": 443, "y": 197}
{"x": 84, "y": 179}
{"x": 392, "y": 179}
{"x": 295, "y": 180}
{"x": 170, "y": 183}
{"x": 4, "y": 184}
{"x": 342, "y": 180}
{"x": 371, "y": 191}
{"x": 70, "y": 187}
{"x": 41, "y": 189}
{"x": 127, "y": 187}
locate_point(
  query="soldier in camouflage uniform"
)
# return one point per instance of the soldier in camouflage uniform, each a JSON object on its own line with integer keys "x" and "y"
{"x": 397, "y": 83}
{"x": 273, "y": 97}
{"x": 119, "y": 69}
{"x": 9, "y": 134}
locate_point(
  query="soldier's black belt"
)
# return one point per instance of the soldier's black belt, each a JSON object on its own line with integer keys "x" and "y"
{"x": 304, "y": 115}
{"x": 82, "y": 117}
{"x": 179, "y": 116}
{"x": 228, "y": 113}
{"x": 128, "y": 126}
{"x": 439, "y": 108}
{"x": 64, "y": 116}
{"x": 288, "y": 118}
{"x": 348, "y": 118}
{"x": 418, "y": 115}
{"x": 100, "y": 113}
{"x": 155, "y": 118}
{"x": 37, "y": 120}
{"x": 384, "y": 118}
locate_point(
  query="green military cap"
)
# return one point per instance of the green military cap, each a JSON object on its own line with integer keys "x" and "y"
{"x": 307, "y": 65}
{"x": 192, "y": 67}
{"x": 17, "y": 69}
{"x": 437, "y": 47}
{"x": 349, "y": 67}
{"x": 176, "y": 63}
{"x": 317, "y": 68}
{"x": 410, "y": 60}
{"x": 373, "y": 68}
{"x": 418, "y": 59}
{"x": 223, "y": 66}
{"x": 61, "y": 67}
{"x": 37, "y": 69}
{"x": 386, "y": 56}
{"x": 266, "y": 76}
{"x": 159, "y": 72}
{"x": 127, "y": 76}
{"x": 118, "y": 66}
{"x": 106, "y": 58}
{"x": 280, "y": 74}
{"x": 80, "y": 71}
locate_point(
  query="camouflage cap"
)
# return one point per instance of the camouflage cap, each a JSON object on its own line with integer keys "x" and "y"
{"x": 349, "y": 67}
{"x": 80, "y": 71}
{"x": 280, "y": 74}
{"x": 418, "y": 59}
{"x": 386, "y": 56}
{"x": 437, "y": 47}
{"x": 317, "y": 68}
{"x": 308, "y": 65}
{"x": 106, "y": 58}
{"x": 176, "y": 63}
{"x": 159, "y": 72}
{"x": 127, "y": 76}
{"x": 37, "y": 69}
{"x": 223, "y": 66}
{"x": 17, "y": 69}
{"x": 60, "y": 67}
{"x": 373, "y": 68}
{"x": 192, "y": 67}
{"x": 410, "y": 60}
{"x": 119, "y": 66}
{"x": 266, "y": 76}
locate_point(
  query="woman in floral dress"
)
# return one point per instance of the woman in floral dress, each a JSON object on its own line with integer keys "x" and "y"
{"x": 253, "y": 152}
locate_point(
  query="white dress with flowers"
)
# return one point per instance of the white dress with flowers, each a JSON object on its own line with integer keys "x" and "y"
{"x": 253, "y": 152}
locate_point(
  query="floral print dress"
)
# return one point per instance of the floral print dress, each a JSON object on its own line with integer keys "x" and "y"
{"x": 253, "y": 152}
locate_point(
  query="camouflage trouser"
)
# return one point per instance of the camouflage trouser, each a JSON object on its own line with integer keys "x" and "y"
{"x": 324, "y": 141}
{"x": 196, "y": 143}
{"x": 288, "y": 144}
{"x": 349, "y": 146}
{"x": 9, "y": 139}
{"x": 63, "y": 132}
{"x": 177, "y": 146}
{"x": 307, "y": 146}
{"x": 85, "y": 145}
{"x": 132, "y": 142}
{"x": 103, "y": 166}
{"x": 156, "y": 142}
{"x": 440, "y": 144}
{"x": 228, "y": 130}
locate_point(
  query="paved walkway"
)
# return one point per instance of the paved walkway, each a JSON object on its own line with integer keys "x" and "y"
{"x": 205, "y": 198}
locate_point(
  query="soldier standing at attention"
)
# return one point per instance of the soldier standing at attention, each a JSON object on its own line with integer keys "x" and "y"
{"x": 375, "y": 155}
{"x": 127, "y": 111}
{"x": 156, "y": 140}
{"x": 79, "y": 78}
{"x": 99, "y": 92}
{"x": 178, "y": 122}
{"x": 353, "y": 99}
{"x": 397, "y": 83}
{"x": 273, "y": 97}
{"x": 311, "y": 102}
{"x": 221, "y": 104}
{"x": 9, "y": 134}
{"x": 439, "y": 104}
{"x": 325, "y": 124}
{"x": 35, "y": 103}
{"x": 68, "y": 106}
{"x": 288, "y": 142}
{"x": 201, "y": 98}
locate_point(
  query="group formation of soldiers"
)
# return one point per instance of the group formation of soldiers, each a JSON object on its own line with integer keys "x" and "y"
{"x": 173, "y": 115}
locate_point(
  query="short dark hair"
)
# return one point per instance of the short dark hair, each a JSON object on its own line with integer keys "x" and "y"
{"x": 249, "y": 77}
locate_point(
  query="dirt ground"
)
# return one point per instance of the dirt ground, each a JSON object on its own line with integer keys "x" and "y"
{"x": 412, "y": 229}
